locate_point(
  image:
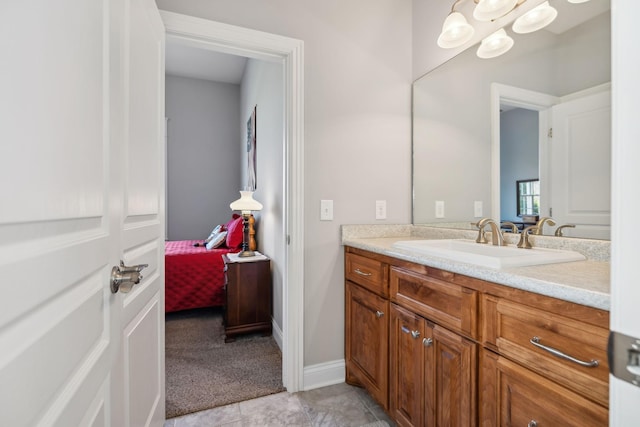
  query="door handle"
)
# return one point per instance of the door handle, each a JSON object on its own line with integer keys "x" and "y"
{"x": 124, "y": 277}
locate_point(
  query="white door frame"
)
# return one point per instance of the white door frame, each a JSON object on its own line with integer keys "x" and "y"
{"x": 235, "y": 40}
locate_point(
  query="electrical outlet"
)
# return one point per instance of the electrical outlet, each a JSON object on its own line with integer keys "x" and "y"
{"x": 477, "y": 209}
{"x": 381, "y": 209}
{"x": 326, "y": 210}
{"x": 439, "y": 209}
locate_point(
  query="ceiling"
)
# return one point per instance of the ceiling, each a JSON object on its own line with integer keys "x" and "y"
{"x": 198, "y": 63}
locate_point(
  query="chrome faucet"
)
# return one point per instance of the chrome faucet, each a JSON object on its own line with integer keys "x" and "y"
{"x": 559, "y": 229}
{"x": 496, "y": 235}
{"x": 524, "y": 237}
{"x": 541, "y": 223}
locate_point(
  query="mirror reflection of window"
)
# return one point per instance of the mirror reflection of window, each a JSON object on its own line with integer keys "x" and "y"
{"x": 528, "y": 196}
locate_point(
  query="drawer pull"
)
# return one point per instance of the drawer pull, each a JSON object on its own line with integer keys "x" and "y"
{"x": 536, "y": 341}
{"x": 360, "y": 272}
{"x": 379, "y": 314}
{"x": 532, "y": 423}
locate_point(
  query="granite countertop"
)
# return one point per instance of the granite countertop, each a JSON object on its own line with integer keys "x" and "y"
{"x": 582, "y": 282}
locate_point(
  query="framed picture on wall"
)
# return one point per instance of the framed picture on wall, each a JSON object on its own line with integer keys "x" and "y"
{"x": 251, "y": 151}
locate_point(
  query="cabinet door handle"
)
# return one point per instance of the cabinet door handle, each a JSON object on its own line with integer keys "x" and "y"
{"x": 536, "y": 342}
{"x": 532, "y": 423}
{"x": 379, "y": 314}
{"x": 360, "y": 272}
{"x": 427, "y": 342}
{"x": 414, "y": 334}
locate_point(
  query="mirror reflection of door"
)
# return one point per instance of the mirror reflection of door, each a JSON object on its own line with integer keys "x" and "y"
{"x": 572, "y": 160}
{"x": 580, "y": 165}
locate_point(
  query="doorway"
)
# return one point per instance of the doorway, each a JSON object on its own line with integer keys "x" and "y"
{"x": 234, "y": 40}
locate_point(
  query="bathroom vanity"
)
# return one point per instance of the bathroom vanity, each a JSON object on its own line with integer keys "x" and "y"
{"x": 445, "y": 343}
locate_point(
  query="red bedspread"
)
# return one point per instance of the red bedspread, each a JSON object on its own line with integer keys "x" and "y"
{"x": 194, "y": 276}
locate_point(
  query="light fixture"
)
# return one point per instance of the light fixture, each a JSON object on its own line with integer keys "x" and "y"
{"x": 536, "y": 19}
{"x": 495, "y": 45}
{"x": 488, "y": 10}
{"x": 246, "y": 204}
{"x": 456, "y": 31}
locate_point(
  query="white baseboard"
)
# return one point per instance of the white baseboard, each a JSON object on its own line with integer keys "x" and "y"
{"x": 316, "y": 376}
{"x": 277, "y": 333}
{"x": 324, "y": 374}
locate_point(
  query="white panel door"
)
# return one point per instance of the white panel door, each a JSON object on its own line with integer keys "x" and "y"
{"x": 624, "y": 398}
{"x": 580, "y": 165}
{"x": 71, "y": 207}
{"x": 138, "y": 383}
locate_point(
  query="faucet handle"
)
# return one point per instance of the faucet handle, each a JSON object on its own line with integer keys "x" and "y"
{"x": 482, "y": 237}
{"x": 524, "y": 237}
{"x": 514, "y": 228}
{"x": 558, "y": 232}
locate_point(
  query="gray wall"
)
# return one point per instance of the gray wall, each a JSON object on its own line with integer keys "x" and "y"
{"x": 357, "y": 96}
{"x": 518, "y": 156}
{"x": 203, "y": 162}
{"x": 263, "y": 87}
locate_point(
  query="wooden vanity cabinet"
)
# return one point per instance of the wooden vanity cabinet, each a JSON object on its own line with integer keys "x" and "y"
{"x": 513, "y": 395}
{"x": 460, "y": 351}
{"x": 432, "y": 373}
{"x": 367, "y": 326}
{"x": 545, "y": 361}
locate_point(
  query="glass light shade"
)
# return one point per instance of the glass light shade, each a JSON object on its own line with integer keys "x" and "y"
{"x": 488, "y": 10}
{"x": 456, "y": 31}
{"x": 536, "y": 19}
{"x": 578, "y": 1}
{"x": 495, "y": 45}
{"x": 246, "y": 203}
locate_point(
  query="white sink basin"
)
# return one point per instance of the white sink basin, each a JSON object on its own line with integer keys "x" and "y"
{"x": 487, "y": 255}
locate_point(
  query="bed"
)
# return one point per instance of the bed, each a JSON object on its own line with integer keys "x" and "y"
{"x": 194, "y": 275}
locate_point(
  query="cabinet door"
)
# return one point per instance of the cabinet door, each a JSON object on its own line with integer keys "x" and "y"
{"x": 406, "y": 366}
{"x": 450, "y": 380}
{"x": 367, "y": 335}
{"x": 515, "y": 396}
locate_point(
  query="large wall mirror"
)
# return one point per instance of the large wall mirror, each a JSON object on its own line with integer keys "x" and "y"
{"x": 539, "y": 112}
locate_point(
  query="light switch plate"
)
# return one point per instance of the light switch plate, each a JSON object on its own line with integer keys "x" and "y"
{"x": 326, "y": 210}
{"x": 381, "y": 209}
{"x": 477, "y": 209}
{"x": 439, "y": 209}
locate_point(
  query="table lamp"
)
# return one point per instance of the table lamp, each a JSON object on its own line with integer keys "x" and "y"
{"x": 246, "y": 204}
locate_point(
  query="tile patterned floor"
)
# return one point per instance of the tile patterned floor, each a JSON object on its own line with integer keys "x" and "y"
{"x": 339, "y": 405}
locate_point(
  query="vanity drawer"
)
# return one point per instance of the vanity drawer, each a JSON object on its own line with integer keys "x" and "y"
{"x": 368, "y": 273}
{"x": 450, "y": 305}
{"x": 555, "y": 346}
{"x": 516, "y": 396}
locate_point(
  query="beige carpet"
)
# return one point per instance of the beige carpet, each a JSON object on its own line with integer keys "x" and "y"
{"x": 203, "y": 372}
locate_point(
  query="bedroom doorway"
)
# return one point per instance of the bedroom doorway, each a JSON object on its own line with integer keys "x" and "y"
{"x": 223, "y": 38}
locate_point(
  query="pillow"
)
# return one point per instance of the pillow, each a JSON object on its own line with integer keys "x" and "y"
{"x": 235, "y": 232}
{"x": 215, "y": 232}
{"x": 217, "y": 240}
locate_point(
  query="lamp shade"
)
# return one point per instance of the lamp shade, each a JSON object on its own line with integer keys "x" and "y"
{"x": 536, "y": 19}
{"x": 456, "y": 31}
{"x": 246, "y": 203}
{"x": 495, "y": 45}
{"x": 488, "y": 10}
{"x": 578, "y": 1}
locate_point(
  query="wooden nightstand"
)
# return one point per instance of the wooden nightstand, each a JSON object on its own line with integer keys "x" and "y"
{"x": 247, "y": 297}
